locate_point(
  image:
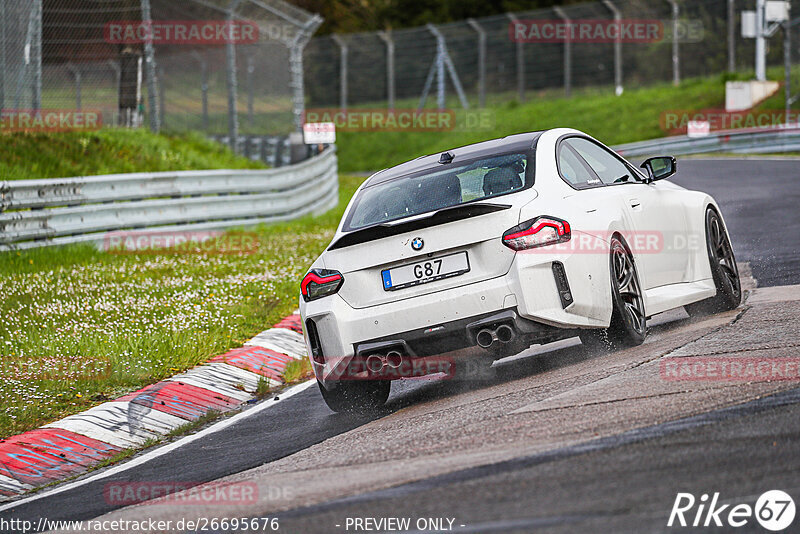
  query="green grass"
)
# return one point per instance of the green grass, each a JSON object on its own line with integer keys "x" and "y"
{"x": 634, "y": 116}
{"x": 110, "y": 151}
{"x": 80, "y": 326}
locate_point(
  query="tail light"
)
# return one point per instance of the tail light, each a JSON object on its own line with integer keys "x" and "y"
{"x": 537, "y": 232}
{"x": 320, "y": 283}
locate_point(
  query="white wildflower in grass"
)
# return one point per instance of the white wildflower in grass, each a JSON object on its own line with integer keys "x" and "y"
{"x": 79, "y": 327}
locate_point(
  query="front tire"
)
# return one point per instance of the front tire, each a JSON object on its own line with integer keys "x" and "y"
{"x": 723, "y": 270}
{"x": 628, "y": 325}
{"x": 356, "y": 396}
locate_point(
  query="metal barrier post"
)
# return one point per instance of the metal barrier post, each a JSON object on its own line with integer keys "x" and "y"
{"x": 230, "y": 64}
{"x": 481, "y": 61}
{"x": 386, "y": 37}
{"x": 520, "y": 63}
{"x": 343, "y": 49}
{"x": 617, "y": 47}
{"x": 676, "y": 66}
{"x": 567, "y": 51}
{"x": 150, "y": 67}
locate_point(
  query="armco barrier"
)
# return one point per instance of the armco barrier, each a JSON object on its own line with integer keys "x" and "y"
{"x": 35, "y": 213}
{"x": 730, "y": 141}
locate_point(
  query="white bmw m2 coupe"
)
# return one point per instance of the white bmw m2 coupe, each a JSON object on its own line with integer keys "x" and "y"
{"x": 526, "y": 239}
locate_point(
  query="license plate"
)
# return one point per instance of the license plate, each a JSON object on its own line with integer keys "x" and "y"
{"x": 425, "y": 271}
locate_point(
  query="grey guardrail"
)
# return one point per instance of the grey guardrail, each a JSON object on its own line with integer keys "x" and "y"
{"x": 35, "y": 213}
{"x": 729, "y": 141}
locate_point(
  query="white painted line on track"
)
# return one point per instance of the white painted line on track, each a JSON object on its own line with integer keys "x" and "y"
{"x": 139, "y": 460}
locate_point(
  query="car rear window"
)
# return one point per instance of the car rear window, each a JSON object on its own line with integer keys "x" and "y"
{"x": 436, "y": 189}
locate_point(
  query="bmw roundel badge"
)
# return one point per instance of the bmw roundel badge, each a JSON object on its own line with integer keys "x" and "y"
{"x": 417, "y": 243}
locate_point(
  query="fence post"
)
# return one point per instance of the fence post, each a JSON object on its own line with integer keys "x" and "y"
{"x": 787, "y": 66}
{"x": 440, "y": 62}
{"x": 386, "y": 37}
{"x": 443, "y": 61}
{"x": 296, "y": 69}
{"x": 481, "y": 61}
{"x": 617, "y": 47}
{"x": 2, "y": 55}
{"x": 162, "y": 96}
{"x": 761, "y": 41}
{"x": 343, "y": 49}
{"x": 520, "y": 53}
{"x": 567, "y": 51}
{"x": 36, "y": 53}
{"x": 117, "y": 73}
{"x": 150, "y": 66}
{"x": 230, "y": 60}
{"x": 203, "y": 86}
{"x": 676, "y": 59}
{"x": 731, "y": 35}
{"x": 77, "y": 75}
{"x": 251, "y": 68}
{"x": 440, "y": 81}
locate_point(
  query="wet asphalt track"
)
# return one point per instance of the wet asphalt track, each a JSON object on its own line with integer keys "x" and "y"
{"x": 760, "y": 200}
{"x": 739, "y": 451}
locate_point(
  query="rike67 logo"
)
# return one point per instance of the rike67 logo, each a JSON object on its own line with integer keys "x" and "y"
{"x": 774, "y": 510}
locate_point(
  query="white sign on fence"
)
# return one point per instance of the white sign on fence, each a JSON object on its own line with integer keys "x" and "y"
{"x": 698, "y": 128}
{"x": 315, "y": 133}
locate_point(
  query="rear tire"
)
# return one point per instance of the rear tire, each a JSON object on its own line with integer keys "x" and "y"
{"x": 628, "y": 325}
{"x": 723, "y": 270}
{"x": 356, "y": 396}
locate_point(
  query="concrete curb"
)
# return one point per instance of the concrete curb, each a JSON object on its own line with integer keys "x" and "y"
{"x": 72, "y": 445}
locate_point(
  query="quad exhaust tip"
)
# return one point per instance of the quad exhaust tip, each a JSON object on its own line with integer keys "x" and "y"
{"x": 487, "y": 336}
{"x": 394, "y": 359}
{"x": 376, "y": 362}
{"x": 504, "y": 333}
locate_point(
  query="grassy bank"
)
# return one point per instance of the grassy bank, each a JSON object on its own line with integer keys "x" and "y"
{"x": 82, "y": 326}
{"x": 110, "y": 151}
{"x": 633, "y": 116}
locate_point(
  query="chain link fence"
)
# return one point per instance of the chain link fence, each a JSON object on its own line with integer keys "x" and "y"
{"x": 393, "y": 68}
{"x": 91, "y": 55}
{"x": 221, "y": 67}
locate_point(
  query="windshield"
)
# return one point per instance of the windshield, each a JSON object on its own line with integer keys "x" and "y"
{"x": 431, "y": 191}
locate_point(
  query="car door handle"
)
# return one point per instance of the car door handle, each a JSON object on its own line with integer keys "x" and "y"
{"x": 635, "y": 203}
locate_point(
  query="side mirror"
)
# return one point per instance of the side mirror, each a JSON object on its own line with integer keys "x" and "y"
{"x": 660, "y": 167}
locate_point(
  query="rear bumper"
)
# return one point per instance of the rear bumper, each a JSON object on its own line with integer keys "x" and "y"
{"x": 526, "y": 298}
{"x": 341, "y": 328}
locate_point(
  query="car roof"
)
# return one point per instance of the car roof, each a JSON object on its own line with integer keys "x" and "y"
{"x": 518, "y": 142}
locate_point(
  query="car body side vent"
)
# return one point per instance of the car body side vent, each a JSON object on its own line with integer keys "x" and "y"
{"x": 562, "y": 284}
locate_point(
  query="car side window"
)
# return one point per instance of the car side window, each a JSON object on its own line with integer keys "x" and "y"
{"x": 574, "y": 170}
{"x": 608, "y": 167}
